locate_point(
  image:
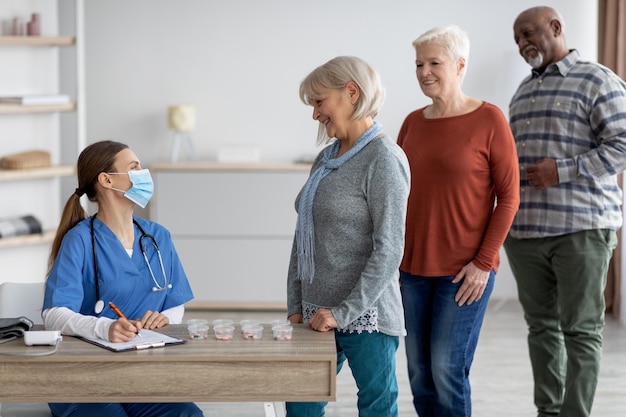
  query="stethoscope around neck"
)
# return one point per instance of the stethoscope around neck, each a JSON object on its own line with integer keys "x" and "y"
{"x": 157, "y": 287}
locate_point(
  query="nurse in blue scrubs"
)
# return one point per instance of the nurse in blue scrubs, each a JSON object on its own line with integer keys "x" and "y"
{"x": 113, "y": 257}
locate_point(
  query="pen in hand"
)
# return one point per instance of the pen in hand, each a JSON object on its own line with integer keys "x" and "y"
{"x": 121, "y": 315}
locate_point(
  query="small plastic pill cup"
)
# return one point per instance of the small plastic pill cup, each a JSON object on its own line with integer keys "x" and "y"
{"x": 192, "y": 322}
{"x": 280, "y": 321}
{"x": 248, "y": 323}
{"x": 198, "y": 328}
{"x": 198, "y": 331}
{"x": 252, "y": 332}
{"x": 224, "y": 332}
{"x": 222, "y": 322}
{"x": 282, "y": 331}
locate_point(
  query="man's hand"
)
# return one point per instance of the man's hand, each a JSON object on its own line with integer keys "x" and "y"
{"x": 543, "y": 174}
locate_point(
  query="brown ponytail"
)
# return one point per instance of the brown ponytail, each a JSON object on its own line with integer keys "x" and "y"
{"x": 94, "y": 159}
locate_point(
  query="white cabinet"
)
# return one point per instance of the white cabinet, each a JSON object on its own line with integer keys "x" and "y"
{"x": 233, "y": 227}
{"x": 32, "y": 65}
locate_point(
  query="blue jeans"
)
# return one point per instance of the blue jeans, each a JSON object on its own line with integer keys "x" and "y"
{"x": 440, "y": 343}
{"x": 372, "y": 359}
{"x": 125, "y": 410}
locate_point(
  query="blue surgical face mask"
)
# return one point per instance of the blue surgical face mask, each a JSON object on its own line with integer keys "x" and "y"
{"x": 142, "y": 189}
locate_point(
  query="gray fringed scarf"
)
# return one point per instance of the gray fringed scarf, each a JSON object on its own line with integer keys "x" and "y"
{"x": 305, "y": 236}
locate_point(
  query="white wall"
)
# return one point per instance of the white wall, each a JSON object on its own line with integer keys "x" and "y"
{"x": 240, "y": 63}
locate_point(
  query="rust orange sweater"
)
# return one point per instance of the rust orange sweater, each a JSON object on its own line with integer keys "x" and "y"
{"x": 459, "y": 166}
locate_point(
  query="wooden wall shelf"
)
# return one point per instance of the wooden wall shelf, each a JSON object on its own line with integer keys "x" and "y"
{"x": 38, "y": 40}
{"x": 27, "y": 240}
{"x": 18, "y": 108}
{"x": 35, "y": 173}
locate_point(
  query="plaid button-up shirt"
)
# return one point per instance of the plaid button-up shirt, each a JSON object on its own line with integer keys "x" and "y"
{"x": 575, "y": 112}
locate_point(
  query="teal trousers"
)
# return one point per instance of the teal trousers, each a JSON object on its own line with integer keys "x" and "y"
{"x": 560, "y": 282}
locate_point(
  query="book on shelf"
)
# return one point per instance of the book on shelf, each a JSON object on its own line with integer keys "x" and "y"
{"x": 36, "y": 99}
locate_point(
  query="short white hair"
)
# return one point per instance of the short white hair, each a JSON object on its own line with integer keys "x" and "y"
{"x": 452, "y": 38}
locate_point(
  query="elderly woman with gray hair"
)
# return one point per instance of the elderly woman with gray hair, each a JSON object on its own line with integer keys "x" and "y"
{"x": 343, "y": 274}
{"x": 462, "y": 157}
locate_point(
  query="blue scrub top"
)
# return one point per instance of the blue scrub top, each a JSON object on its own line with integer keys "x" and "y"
{"x": 124, "y": 280}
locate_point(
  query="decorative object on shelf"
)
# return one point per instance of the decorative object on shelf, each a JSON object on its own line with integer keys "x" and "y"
{"x": 26, "y": 160}
{"x": 181, "y": 120}
{"x": 18, "y": 226}
{"x": 18, "y": 27}
{"x": 33, "y": 28}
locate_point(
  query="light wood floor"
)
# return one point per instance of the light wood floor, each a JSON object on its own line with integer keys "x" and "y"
{"x": 501, "y": 378}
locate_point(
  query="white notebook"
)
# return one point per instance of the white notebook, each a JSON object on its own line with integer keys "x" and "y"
{"x": 148, "y": 340}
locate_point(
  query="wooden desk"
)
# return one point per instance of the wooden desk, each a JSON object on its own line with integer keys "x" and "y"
{"x": 302, "y": 369}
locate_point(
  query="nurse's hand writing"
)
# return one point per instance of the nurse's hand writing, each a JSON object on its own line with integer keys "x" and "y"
{"x": 296, "y": 318}
{"x": 123, "y": 330}
{"x": 473, "y": 286}
{"x": 323, "y": 321}
{"x": 154, "y": 320}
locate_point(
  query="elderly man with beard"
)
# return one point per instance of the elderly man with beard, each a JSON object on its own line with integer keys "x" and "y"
{"x": 568, "y": 118}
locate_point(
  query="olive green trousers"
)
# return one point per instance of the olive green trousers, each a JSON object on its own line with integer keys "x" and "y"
{"x": 560, "y": 283}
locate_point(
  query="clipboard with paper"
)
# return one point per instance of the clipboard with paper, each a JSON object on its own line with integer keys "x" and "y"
{"x": 149, "y": 340}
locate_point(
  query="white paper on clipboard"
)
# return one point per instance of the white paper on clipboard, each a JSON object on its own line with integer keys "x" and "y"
{"x": 149, "y": 339}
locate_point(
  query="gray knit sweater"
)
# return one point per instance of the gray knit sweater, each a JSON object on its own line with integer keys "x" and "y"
{"x": 359, "y": 218}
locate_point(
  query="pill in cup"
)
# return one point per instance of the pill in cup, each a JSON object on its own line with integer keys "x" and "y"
{"x": 282, "y": 331}
{"x": 224, "y": 332}
{"x": 198, "y": 331}
{"x": 252, "y": 332}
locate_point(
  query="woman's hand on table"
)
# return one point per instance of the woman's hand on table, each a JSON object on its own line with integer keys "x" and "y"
{"x": 323, "y": 321}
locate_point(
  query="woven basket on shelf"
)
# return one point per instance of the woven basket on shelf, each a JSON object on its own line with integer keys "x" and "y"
{"x": 26, "y": 160}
